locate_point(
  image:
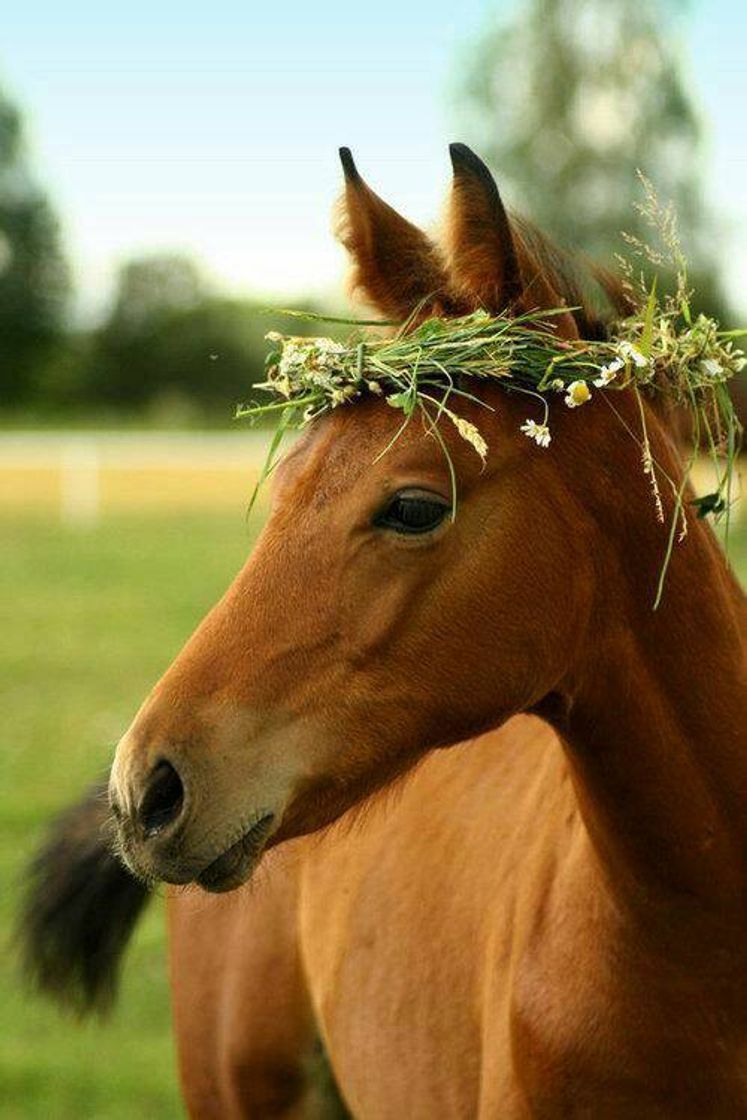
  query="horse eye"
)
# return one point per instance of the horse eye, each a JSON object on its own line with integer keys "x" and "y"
{"x": 413, "y": 512}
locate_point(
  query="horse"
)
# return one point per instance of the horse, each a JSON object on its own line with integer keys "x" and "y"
{"x": 463, "y": 806}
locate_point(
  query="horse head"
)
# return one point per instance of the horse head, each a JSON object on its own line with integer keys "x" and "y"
{"x": 369, "y": 626}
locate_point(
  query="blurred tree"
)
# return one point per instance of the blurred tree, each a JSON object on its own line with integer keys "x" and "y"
{"x": 152, "y": 287}
{"x": 34, "y": 279}
{"x": 571, "y": 97}
{"x": 129, "y": 362}
{"x": 170, "y": 340}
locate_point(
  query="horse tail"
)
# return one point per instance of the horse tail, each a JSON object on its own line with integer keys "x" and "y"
{"x": 80, "y": 908}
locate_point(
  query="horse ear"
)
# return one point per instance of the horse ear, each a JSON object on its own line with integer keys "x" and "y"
{"x": 395, "y": 266}
{"x": 489, "y": 261}
{"x": 483, "y": 260}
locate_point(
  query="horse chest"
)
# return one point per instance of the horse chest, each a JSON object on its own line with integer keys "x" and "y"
{"x": 402, "y": 1027}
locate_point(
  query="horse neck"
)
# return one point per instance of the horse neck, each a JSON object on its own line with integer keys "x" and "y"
{"x": 655, "y": 725}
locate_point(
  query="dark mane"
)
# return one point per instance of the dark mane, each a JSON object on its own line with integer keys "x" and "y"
{"x": 599, "y": 295}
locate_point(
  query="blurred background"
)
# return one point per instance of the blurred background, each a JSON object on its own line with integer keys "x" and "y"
{"x": 166, "y": 174}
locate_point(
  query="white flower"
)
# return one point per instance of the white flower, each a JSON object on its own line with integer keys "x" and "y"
{"x": 711, "y": 368}
{"x": 293, "y": 357}
{"x": 312, "y": 359}
{"x": 280, "y": 383}
{"x": 608, "y": 373}
{"x": 540, "y": 433}
{"x": 578, "y": 393}
{"x": 374, "y": 387}
{"x": 557, "y": 384}
{"x": 632, "y": 354}
{"x": 339, "y": 396}
{"x": 274, "y": 336}
{"x": 327, "y": 348}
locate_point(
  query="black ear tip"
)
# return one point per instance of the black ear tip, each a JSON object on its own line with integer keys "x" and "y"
{"x": 459, "y": 153}
{"x": 348, "y": 164}
{"x": 464, "y": 159}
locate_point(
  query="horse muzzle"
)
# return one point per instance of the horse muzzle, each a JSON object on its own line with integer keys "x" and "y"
{"x": 161, "y": 836}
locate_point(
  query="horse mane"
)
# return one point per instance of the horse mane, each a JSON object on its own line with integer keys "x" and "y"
{"x": 598, "y": 296}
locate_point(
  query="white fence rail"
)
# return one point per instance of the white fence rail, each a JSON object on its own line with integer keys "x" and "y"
{"x": 80, "y": 460}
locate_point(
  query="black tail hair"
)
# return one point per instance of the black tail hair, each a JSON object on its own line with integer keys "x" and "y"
{"x": 80, "y": 908}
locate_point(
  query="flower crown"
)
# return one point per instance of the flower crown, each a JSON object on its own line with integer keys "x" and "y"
{"x": 429, "y": 370}
{"x": 312, "y": 376}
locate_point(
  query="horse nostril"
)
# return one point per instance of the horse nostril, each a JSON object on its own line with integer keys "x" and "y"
{"x": 162, "y": 801}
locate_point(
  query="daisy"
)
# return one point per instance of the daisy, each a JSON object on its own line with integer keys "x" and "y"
{"x": 608, "y": 373}
{"x": 632, "y": 354}
{"x": 540, "y": 433}
{"x": 711, "y": 368}
{"x": 578, "y": 393}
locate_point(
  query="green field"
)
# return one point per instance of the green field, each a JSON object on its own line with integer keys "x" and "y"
{"x": 89, "y": 621}
{"x": 90, "y": 618}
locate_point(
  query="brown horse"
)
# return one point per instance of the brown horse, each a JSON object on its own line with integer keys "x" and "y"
{"x": 547, "y": 916}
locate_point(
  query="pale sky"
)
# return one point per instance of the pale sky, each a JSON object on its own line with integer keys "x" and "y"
{"x": 213, "y": 128}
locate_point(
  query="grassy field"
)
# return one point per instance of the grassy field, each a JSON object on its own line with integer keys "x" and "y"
{"x": 89, "y": 620}
{"x": 90, "y": 617}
